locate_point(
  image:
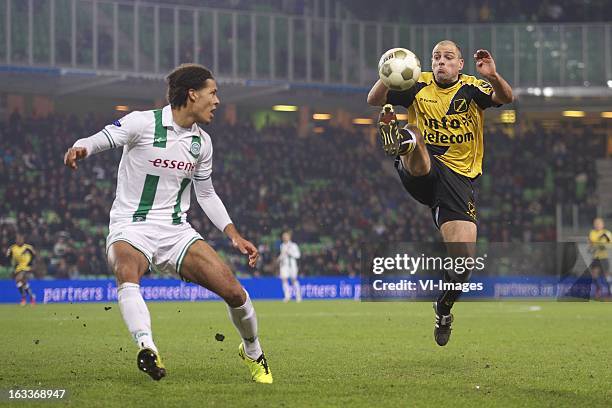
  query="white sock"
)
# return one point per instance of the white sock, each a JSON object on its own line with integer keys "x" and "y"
{"x": 298, "y": 290}
{"x": 286, "y": 290}
{"x": 245, "y": 320}
{"x": 135, "y": 314}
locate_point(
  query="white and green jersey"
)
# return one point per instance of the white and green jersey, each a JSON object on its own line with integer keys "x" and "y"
{"x": 160, "y": 159}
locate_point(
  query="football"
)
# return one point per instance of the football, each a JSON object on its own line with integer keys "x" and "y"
{"x": 399, "y": 69}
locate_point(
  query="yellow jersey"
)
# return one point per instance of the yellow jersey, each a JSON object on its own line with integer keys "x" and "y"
{"x": 451, "y": 118}
{"x": 21, "y": 257}
{"x": 600, "y": 241}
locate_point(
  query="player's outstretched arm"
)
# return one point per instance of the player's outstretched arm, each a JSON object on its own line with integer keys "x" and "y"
{"x": 378, "y": 94}
{"x": 485, "y": 65}
{"x": 119, "y": 133}
{"x": 74, "y": 154}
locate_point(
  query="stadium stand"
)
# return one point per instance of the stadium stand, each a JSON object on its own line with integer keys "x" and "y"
{"x": 258, "y": 42}
{"x": 419, "y": 11}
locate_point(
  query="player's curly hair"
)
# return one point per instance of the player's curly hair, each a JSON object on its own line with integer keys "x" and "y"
{"x": 182, "y": 79}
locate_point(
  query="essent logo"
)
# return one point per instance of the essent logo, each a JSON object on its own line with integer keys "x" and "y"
{"x": 173, "y": 164}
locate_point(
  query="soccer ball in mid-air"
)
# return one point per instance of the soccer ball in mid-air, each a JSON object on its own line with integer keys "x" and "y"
{"x": 399, "y": 69}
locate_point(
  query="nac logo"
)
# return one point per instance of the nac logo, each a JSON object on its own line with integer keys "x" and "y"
{"x": 460, "y": 105}
{"x": 471, "y": 212}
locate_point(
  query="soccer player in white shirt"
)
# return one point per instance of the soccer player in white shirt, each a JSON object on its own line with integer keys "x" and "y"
{"x": 289, "y": 254}
{"x": 164, "y": 152}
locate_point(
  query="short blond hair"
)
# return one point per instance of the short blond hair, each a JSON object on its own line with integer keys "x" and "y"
{"x": 449, "y": 42}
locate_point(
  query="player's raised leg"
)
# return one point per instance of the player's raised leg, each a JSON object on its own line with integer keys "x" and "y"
{"x": 460, "y": 239}
{"x": 406, "y": 142}
{"x": 202, "y": 265}
{"x": 129, "y": 265}
{"x": 416, "y": 161}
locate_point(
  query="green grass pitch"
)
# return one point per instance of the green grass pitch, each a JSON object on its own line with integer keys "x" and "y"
{"x": 322, "y": 353}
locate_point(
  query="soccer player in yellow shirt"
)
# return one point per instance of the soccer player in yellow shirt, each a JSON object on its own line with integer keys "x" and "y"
{"x": 439, "y": 153}
{"x": 600, "y": 239}
{"x": 22, "y": 257}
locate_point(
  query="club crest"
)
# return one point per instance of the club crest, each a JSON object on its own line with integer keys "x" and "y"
{"x": 195, "y": 148}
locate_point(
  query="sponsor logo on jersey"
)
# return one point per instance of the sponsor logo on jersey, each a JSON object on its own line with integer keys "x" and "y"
{"x": 116, "y": 123}
{"x": 428, "y": 100}
{"x": 444, "y": 122}
{"x": 173, "y": 164}
{"x": 441, "y": 138}
{"x": 432, "y": 135}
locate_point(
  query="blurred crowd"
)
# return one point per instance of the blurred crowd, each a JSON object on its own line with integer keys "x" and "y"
{"x": 528, "y": 174}
{"x": 335, "y": 190}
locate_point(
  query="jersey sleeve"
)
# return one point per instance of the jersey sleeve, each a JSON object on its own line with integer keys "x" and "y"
{"x": 211, "y": 203}
{"x": 205, "y": 193}
{"x": 401, "y": 98}
{"x": 483, "y": 95}
{"x": 203, "y": 169}
{"x": 121, "y": 132}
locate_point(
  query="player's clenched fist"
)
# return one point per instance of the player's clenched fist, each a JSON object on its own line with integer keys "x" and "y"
{"x": 72, "y": 155}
